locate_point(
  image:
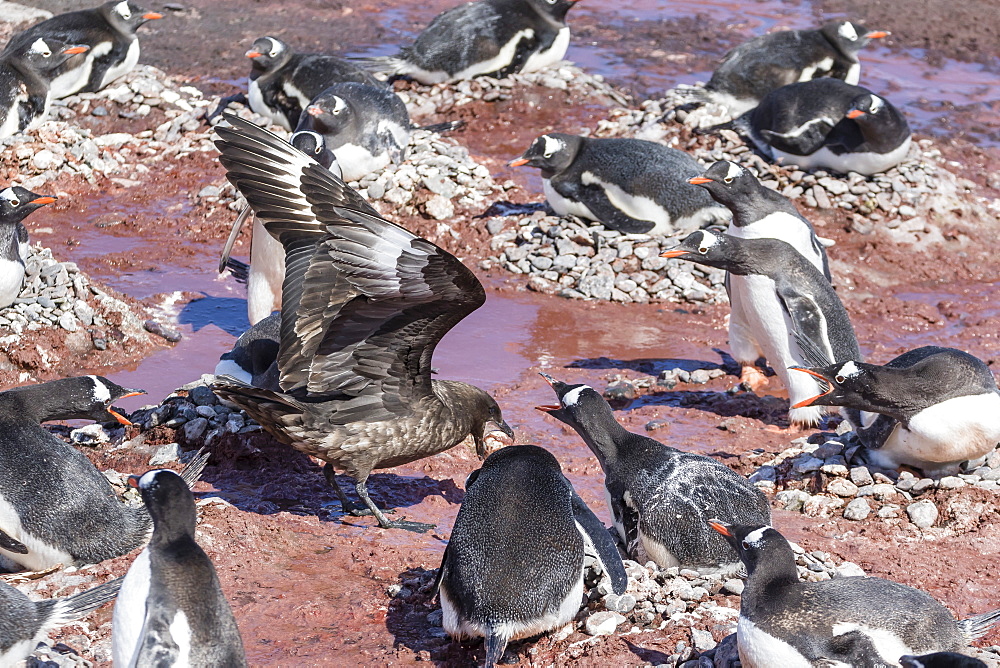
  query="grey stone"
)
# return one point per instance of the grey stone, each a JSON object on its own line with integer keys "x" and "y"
{"x": 734, "y": 586}
{"x": 921, "y": 486}
{"x": 922, "y": 513}
{"x": 623, "y": 604}
{"x": 165, "y": 454}
{"x": 858, "y": 509}
{"x": 702, "y": 640}
{"x": 202, "y": 396}
{"x": 603, "y": 623}
{"x": 195, "y": 429}
{"x": 842, "y": 487}
{"x": 951, "y": 482}
{"x": 861, "y": 476}
{"x": 439, "y": 208}
{"x": 68, "y": 322}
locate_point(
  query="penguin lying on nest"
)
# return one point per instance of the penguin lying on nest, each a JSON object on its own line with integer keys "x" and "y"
{"x": 856, "y": 621}
{"x": 513, "y": 567}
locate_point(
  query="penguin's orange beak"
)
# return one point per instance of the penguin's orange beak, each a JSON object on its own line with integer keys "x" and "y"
{"x": 43, "y": 200}
{"x": 877, "y": 34}
{"x": 721, "y": 528}
{"x": 810, "y": 400}
{"x": 73, "y": 50}
{"x": 673, "y": 252}
{"x": 314, "y": 110}
{"x": 855, "y": 113}
{"x": 152, "y": 16}
{"x": 133, "y": 393}
{"x": 518, "y": 162}
{"x": 698, "y": 180}
{"x": 121, "y": 418}
{"x": 253, "y": 54}
{"x": 133, "y": 481}
{"x": 547, "y": 408}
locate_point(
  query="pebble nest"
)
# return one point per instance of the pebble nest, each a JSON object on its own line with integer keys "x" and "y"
{"x": 909, "y": 202}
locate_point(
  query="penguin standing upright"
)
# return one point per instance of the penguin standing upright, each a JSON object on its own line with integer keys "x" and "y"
{"x": 790, "y": 308}
{"x": 828, "y": 124}
{"x": 660, "y": 498}
{"x": 758, "y": 212}
{"x": 629, "y": 185}
{"x": 16, "y": 204}
{"x": 25, "y": 72}
{"x": 171, "y": 610}
{"x": 24, "y": 622}
{"x": 282, "y": 82}
{"x": 931, "y": 408}
{"x": 792, "y": 624}
{"x": 513, "y": 567}
{"x": 768, "y": 62}
{"x": 366, "y": 127}
{"x": 486, "y": 37}
{"x": 110, "y": 33}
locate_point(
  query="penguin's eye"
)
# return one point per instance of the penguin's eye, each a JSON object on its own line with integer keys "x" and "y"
{"x": 547, "y": 155}
{"x": 703, "y": 250}
{"x": 272, "y": 53}
{"x": 839, "y": 379}
{"x": 15, "y": 202}
{"x": 125, "y": 12}
{"x": 728, "y": 179}
{"x": 746, "y": 545}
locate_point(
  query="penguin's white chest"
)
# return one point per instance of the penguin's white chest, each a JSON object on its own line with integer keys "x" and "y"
{"x": 866, "y": 163}
{"x": 950, "y": 432}
{"x": 564, "y": 206}
{"x": 267, "y": 272}
{"x": 551, "y": 55}
{"x": 41, "y": 555}
{"x": 759, "y": 649}
{"x": 130, "y": 611}
{"x": 11, "y": 280}
{"x": 256, "y": 99}
{"x": 125, "y": 66}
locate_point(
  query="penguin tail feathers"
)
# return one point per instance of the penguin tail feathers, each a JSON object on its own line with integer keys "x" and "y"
{"x": 715, "y": 129}
{"x": 65, "y": 610}
{"x": 239, "y": 269}
{"x": 979, "y": 625}
{"x": 388, "y": 65}
{"x": 496, "y": 644}
{"x": 192, "y": 472}
{"x": 441, "y": 128}
{"x": 698, "y": 95}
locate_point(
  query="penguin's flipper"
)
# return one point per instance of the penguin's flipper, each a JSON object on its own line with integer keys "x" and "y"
{"x": 598, "y": 535}
{"x": 496, "y": 645}
{"x": 442, "y": 570}
{"x": 877, "y": 433}
{"x": 224, "y": 104}
{"x": 628, "y": 516}
{"x": 854, "y": 649}
{"x": 596, "y": 200}
{"x": 247, "y": 212}
{"x": 803, "y": 140}
{"x": 12, "y": 545}
{"x": 441, "y": 128}
{"x": 808, "y": 324}
{"x": 157, "y": 647}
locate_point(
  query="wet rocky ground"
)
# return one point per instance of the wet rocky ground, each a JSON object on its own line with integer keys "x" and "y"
{"x": 144, "y": 209}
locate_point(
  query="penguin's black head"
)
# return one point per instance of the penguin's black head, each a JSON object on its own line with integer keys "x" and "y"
{"x": 46, "y": 53}
{"x": 552, "y": 153}
{"x": 709, "y": 248}
{"x": 849, "y": 384}
{"x": 268, "y": 53}
{"x": 169, "y": 502}
{"x": 578, "y": 404}
{"x": 753, "y": 543}
{"x": 940, "y": 660}
{"x": 868, "y": 107}
{"x": 17, "y": 202}
{"x": 312, "y": 144}
{"x": 848, "y": 37}
{"x": 726, "y": 182}
{"x": 328, "y": 114}
{"x": 127, "y": 17}
{"x": 557, "y": 9}
{"x": 97, "y": 396}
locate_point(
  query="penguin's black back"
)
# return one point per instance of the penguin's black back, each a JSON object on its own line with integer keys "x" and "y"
{"x": 936, "y": 374}
{"x": 312, "y": 73}
{"x": 515, "y": 550}
{"x": 790, "y": 106}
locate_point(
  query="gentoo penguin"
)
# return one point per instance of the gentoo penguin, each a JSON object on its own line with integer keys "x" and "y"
{"x": 931, "y": 408}
{"x": 25, "y": 72}
{"x": 95, "y": 525}
{"x": 784, "y": 622}
{"x": 109, "y": 31}
{"x": 790, "y": 308}
{"x": 827, "y": 124}
{"x": 254, "y": 357}
{"x": 24, "y": 623}
{"x": 758, "y": 212}
{"x": 513, "y": 567}
{"x": 266, "y": 271}
{"x": 366, "y": 127}
{"x": 768, "y": 62}
{"x": 16, "y": 204}
{"x": 364, "y": 304}
{"x": 171, "y": 610}
{"x": 941, "y": 660}
{"x": 282, "y": 82}
{"x": 660, "y": 498}
{"x": 486, "y": 37}
{"x": 629, "y": 185}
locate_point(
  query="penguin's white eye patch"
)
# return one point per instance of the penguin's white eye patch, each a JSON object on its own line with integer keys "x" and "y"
{"x": 101, "y": 391}
{"x": 552, "y": 146}
{"x": 10, "y": 197}
{"x": 41, "y": 48}
{"x": 123, "y": 11}
{"x": 849, "y": 370}
{"x": 708, "y": 240}
{"x": 733, "y": 172}
{"x": 755, "y": 538}
{"x": 275, "y": 47}
{"x": 572, "y": 397}
{"x": 339, "y": 105}
{"x": 876, "y": 104}
{"x": 847, "y": 31}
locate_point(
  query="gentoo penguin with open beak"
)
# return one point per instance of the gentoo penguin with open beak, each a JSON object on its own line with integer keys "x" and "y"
{"x": 931, "y": 408}
{"x": 24, "y": 623}
{"x": 660, "y": 498}
{"x": 790, "y": 308}
{"x": 792, "y": 624}
{"x": 366, "y": 127}
{"x": 513, "y": 567}
{"x": 25, "y": 71}
{"x": 283, "y": 83}
{"x": 629, "y": 185}
{"x": 96, "y": 525}
{"x": 110, "y": 33}
{"x": 366, "y": 303}
{"x": 758, "y": 212}
{"x": 828, "y": 124}
{"x": 16, "y": 204}
{"x": 768, "y": 62}
{"x": 171, "y": 610}
{"x": 941, "y": 660}
{"x": 487, "y": 37}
